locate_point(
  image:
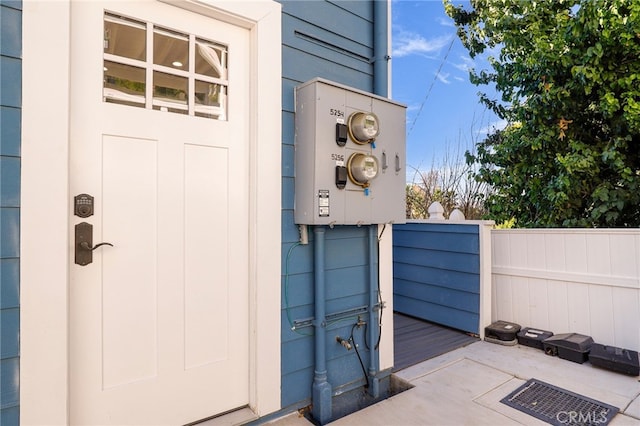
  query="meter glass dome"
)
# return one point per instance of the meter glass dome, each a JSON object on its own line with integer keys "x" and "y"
{"x": 363, "y": 127}
{"x": 362, "y": 168}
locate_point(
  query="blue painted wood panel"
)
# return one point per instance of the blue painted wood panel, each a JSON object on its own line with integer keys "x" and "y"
{"x": 436, "y": 273}
{"x": 331, "y": 40}
{"x": 9, "y": 333}
{"x": 433, "y": 276}
{"x": 288, "y": 186}
{"x": 9, "y": 232}
{"x": 11, "y": 82}
{"x": 346, "y": 274}
{"x": 9, "y": 283}
{"x": 9, "y": 383}
{"x": 320, "y": 41}
{"x": 11, "y": 23}
{"x": 311, "y": 66}
{"x": 9, "y": 181}
{"x": 10, "y": 416}
{"x": 10, "y": 131}
{"x": 438, "y": 314}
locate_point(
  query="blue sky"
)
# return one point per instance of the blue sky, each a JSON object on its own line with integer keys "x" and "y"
{"x": 430, "y": 75}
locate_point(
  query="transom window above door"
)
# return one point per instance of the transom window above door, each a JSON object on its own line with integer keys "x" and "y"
{"x": 153, "y": 67}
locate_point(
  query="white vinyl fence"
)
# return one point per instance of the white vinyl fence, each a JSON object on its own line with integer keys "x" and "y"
{"x": 569, "y": 280}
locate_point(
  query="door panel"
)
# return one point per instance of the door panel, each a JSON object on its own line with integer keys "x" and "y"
{"x": 129, "y": 178}
{"x": 206, "y": 170}
{"x": 159, "y": 328}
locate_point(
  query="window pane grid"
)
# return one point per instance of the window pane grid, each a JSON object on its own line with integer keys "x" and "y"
{"x": 161, "y": 69}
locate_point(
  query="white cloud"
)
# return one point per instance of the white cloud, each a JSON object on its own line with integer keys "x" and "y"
{"x": 466, "y": 64}
{"x": 443, "y": 77}
{"x": 407, "y": 43}
{"x": 446, "y": 22}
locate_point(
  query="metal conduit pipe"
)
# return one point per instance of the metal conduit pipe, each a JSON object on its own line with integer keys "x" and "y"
{"x": 372, "y": 327}
{"x": 321, "y": 392}
{"x": 381, "y": 48}
{"x": 381, "y": 19}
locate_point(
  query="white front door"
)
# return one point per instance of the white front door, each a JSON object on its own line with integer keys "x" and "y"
{"x": 159, "y": 322}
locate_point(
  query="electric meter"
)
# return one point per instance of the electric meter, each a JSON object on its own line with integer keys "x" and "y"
{"x": 341, "y": 176}
{"x": 361, "y": 168}
{"x": 363, "y": 127}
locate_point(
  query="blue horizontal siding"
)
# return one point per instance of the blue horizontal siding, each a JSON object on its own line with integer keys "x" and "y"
{"x": 9, "y": 334}
{"x": 434, "y": 276}
{"x": 9, "y": 283}
{"x": 10, "y": 416}
{"x": 321, "y": 41}
{"x": 10, "y": 140}
{"x": 290, "y": 232}
{"x": 447, "y": 260}
{"x": 461, "y": 320}
{"x": 458, "y": 242}
{"x": 11, "y": 81}
{"x": 304, "y": 348}
{"x": 288, "y": 198}
{"x": 348, "y": 20}
{"x": 332, "y": 40}
{"x": 437, "y": 273}
{"x": 303, "y": 66}
{"x": 11, "y": 23}
{"x": 347, "y": 286}
{"x": 10, "y": 232}
{"x": 456, "y": 299}
{"x": 9, "y": 383}
{"x": 10, "y": 131}
{"x": 296, "y": 388}
{"x": 16, "y": 4}
{"x": 9, "y": 181}
{"x": 288, "y": 98}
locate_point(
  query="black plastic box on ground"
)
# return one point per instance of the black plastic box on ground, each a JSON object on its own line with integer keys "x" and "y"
{"x": 570, "y": 346}
{"x": 533, "y": 337}
{"x": 615, "y": 359}
{"x": 502, "y": 330}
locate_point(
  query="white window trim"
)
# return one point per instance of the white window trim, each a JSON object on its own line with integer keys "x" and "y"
{"x": 45, "y": 204}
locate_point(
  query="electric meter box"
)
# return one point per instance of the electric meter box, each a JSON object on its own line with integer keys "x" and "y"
{"x": 349, "y": 156}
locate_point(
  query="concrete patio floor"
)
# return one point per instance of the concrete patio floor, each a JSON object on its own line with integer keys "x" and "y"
{"x": 465, "y": 386}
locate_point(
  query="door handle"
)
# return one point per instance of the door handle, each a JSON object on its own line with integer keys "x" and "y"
{"x": 84, "y": 244}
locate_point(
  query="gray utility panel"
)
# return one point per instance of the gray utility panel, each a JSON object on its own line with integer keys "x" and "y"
{"x": 349, "y": 156}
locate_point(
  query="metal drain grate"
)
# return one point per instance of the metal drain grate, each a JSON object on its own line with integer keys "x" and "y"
{"x": 559, "y": 406}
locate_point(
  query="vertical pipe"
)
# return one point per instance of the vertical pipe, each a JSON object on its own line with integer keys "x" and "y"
{"x": 381, "y": 47}
{"x": 372, "y": 328}
{"x": 381, "y": 25}
{"x": 321, "y": 410}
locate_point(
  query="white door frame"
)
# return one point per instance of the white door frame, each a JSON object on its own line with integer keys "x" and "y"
{"x": 46, "y": 251}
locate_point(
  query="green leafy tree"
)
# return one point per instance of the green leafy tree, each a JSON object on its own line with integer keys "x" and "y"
{"x": 568, "y": 72}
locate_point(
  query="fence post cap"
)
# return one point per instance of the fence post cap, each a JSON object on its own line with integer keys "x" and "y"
{"x": 457, "y": 216}
{"x": 436, "y": 211}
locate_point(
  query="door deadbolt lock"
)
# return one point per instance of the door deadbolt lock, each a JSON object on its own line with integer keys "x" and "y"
{"x": 84, "y": 244}
{"x": 83, "y": 205}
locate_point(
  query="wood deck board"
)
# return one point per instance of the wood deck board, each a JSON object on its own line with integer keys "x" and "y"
{"x": 416, "y": 340}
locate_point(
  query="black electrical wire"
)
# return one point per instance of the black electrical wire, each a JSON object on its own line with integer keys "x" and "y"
{"x": 380, "y": 304}
{"x": 380, "y": 292}
{"x": 355, "y": 346}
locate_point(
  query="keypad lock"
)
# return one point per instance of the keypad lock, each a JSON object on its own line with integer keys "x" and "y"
{"x": 83, "y": 205}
